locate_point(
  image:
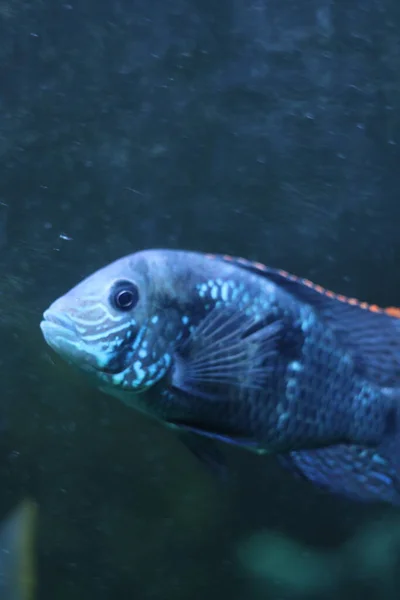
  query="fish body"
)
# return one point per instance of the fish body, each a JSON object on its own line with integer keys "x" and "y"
{"x": 220, "y": 348}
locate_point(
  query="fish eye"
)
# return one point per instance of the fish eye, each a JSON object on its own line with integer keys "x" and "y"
{"x": 125, "y": 295}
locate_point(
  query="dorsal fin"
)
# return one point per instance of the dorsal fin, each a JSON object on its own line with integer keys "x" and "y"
{"x": 371, "y": 332}
{"x": 305, "y": 293}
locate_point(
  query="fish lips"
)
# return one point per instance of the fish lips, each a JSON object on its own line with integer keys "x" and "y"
{"x": 62, "y": 336}
{"x": 58, "y": 330}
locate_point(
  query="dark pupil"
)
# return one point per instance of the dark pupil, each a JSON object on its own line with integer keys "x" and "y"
{"x": 126, "y": 298}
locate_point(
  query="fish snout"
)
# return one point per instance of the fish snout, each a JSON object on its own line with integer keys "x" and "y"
{"x": 60, "y": 320}
{"x": 62, "y": 334}
{"x": 58, "y": 330}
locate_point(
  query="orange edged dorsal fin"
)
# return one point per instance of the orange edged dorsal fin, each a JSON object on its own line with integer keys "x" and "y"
{"x": 370, "y": 332}
{"x": 393, "y": 311}
{"x": 280, "y": 276}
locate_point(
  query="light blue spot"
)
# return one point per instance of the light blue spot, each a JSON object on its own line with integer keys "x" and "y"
{"x": 139, "y": 371}
{"x": 307, "y": 320}
{"x": 139, "y": 338}
{"x": 378, "y": 459}
{"x": 185, "y": 320}
{"x": 142, "y": 353}
{"x": 382, "y": 477}
{"x": 152, "y": 370}
{"x": 102, "y": 360}
{"x": 295, "y": 366}
{"x": 118, "y": 378}
{"x": 214, "y": 292}
{"x": 154, "y": 319}
{"x": 283, "y": 419}
{"x": 202, "y": 289}
{"x": 225, "y": 292}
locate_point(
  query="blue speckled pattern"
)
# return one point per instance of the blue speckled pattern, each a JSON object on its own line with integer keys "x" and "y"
{"x": 243, "y": 353}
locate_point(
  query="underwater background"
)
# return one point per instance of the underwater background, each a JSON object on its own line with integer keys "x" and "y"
{"x": 260, "y": 128}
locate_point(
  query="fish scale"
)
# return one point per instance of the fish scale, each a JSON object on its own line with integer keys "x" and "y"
{"x": 221, "y": 349}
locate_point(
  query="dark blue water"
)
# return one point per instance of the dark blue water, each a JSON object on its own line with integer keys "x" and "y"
{"x": 262, "y": 128}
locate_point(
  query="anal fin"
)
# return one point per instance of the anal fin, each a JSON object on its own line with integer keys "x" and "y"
{"x": 357, "y": 472}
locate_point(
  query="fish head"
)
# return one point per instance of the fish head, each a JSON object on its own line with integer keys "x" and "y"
{"x": 121, "y": 323}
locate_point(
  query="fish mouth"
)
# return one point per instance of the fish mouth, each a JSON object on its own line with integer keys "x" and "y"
{"x": 58, "y": 329}
{"x": 61, "y": 334}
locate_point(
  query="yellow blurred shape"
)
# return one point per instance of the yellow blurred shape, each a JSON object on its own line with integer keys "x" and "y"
{"x": 17, "y": 553}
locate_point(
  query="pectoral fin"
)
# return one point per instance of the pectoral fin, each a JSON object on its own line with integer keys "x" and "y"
{"x": 228, "y": 348}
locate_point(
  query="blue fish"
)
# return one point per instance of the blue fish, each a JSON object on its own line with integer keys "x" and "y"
{"x": 223, "y": 349}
